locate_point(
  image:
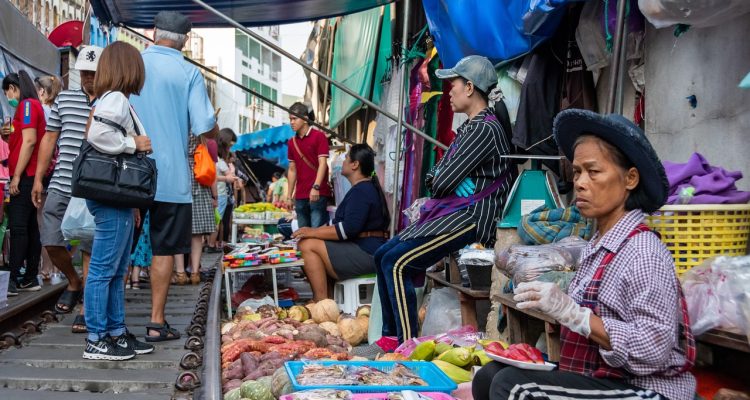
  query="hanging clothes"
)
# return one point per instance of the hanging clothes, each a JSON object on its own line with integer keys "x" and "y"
{"x": 445, "y": 119}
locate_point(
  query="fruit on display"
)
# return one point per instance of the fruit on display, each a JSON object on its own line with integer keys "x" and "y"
{"x": 457, "y": 374}
{"x": 351, "y": 329}
{"x": 518, "y": 352}
{"x": 255, "y": 390}
{"x": 480, "y": 357}
{"x": 363, "y": 311}
{"x": 258, "y": 207}
{"x": 442, "y": 347}
{"x": 424, "y": 351}
{"x": 458, "y": 356}
{"x": 299, "y": 313}
{"x": 280, "y": 383}
{"x": 325, "y": 311}
{"x": 330, "y": 327}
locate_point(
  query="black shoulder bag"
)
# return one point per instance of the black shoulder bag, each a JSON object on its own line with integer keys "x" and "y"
{"x": 122, "y": 180}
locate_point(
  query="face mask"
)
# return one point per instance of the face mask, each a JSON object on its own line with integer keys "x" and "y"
{"x": 13, "y": 103}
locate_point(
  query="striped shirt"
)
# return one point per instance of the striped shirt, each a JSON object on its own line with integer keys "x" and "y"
{"x": 68, "y": 116}
{"x": 480, "y": 143}
{"x": 639, "y": 304}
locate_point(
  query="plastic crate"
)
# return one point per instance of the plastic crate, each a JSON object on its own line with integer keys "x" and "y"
{"x": 436, "y": 379}
{"x": 694, "y": 233}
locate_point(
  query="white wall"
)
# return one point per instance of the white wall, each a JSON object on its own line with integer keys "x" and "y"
{"x": 708, "y": 63}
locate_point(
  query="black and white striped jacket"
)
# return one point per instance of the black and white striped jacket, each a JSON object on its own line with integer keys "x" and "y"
{"x": 480, "y": 143}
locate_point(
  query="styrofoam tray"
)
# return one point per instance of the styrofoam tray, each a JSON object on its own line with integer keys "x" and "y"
{"x": 547, "y": 366}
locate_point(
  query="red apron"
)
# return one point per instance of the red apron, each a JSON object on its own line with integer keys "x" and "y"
{"x": 581, "y": 355}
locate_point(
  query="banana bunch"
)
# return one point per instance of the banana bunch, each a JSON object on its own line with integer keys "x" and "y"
{"x": 257, "y": 207}
{"x": 455, "y": 362}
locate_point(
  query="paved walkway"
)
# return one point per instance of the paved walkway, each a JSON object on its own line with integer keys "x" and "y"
{"x": 51, "y": 366}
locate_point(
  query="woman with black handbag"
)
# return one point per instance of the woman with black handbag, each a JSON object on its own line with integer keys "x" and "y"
{"x": 113, "y": 130}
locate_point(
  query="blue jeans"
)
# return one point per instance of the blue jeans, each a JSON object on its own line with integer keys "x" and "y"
{"x": 312, "y": 214}
{"x": 104, "y": 297}
{"x": 397, "y": 263}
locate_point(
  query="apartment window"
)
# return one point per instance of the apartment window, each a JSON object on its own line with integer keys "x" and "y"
{"x": 253, "y": 49}
{"x": 266, "y": 58}
{"x": 241, "y": 42}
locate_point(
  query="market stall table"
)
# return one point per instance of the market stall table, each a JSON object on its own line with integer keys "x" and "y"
{"x": 228, "y": 272}
{"x": 241, "y": 221}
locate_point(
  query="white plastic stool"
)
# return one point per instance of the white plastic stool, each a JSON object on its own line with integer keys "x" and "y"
{"x": 355, "y": 292}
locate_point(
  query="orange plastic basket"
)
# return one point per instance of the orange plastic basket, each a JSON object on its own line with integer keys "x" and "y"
{"x": 693, "y": 233}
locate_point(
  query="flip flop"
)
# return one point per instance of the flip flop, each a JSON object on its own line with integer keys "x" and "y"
{"x": 79, "y": 325}
{"x": 69, "y": 298}
{"x": 165, "y": 332}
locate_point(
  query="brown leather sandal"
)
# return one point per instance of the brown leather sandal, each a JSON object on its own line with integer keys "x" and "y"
{"x": 195, "y": 278}
{"x": 182, "y": 278}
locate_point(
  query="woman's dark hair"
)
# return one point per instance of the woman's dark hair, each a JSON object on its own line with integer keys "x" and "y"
{"x": 300, "y": 110}
{"x": 637, "y": 199}
{"x": 224, "y": 140}
{"x": 365, "y": 155}
{"x": 23, "y": 82}
{"x": 277, "y": 175}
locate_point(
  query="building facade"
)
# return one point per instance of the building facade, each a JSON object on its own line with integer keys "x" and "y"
{"x": 47, "y": 14}
{"x": 243, "y": 59}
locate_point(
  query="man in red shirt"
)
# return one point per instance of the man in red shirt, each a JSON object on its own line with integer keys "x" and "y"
{"x": 308, "y": 169}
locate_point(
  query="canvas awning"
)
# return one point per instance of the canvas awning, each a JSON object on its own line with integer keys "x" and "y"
{"x": 140, "y": 13}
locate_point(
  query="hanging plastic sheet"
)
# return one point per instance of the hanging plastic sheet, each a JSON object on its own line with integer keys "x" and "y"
{"x": 354, "y": 57}
{"x": 664, "y": 13}
{"x": 498, "y": 30}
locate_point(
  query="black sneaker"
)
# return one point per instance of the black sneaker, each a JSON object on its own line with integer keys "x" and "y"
{"x": 128, "y": 341}
{"x": 12, "y": 290}
{"x": 106, "y": 349}
{"x": 31, "y": 285}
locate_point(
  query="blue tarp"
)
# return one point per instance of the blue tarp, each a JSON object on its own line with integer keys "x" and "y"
{"x": 140, "y": 13}
{"x": 269, "y": 144}
{"x": 498, "y": 30}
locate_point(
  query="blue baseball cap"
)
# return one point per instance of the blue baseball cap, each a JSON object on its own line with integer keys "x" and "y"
{"x": 477, "y": 69}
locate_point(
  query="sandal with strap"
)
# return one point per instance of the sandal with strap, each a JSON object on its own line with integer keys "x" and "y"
{"x": 79, "y": 325}
{"x": 165, "y": 332}
{"x": 68, "y": 301}
{"x": 181, "y": 278}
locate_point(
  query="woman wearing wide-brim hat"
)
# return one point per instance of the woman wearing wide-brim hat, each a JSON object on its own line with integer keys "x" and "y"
{"x": 625, "y": 331}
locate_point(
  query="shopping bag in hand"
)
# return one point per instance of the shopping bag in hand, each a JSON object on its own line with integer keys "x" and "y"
{"x": 78, "y": 223}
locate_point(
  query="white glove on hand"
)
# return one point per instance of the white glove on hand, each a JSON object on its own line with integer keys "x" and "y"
{"x": 546, "y": 297}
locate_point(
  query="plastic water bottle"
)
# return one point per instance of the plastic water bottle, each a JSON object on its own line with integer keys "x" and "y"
{"x": 686, "y": 195}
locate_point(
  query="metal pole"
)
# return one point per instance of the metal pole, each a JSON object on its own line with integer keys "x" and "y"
{"x": 615, "y": 66}
{"x": 621, "y": 71}
{"x": 325, "y": 77}
{"x": 399, "y": 133}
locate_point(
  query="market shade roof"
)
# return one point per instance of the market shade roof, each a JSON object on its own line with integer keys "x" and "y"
{"x": 140, "y": 13}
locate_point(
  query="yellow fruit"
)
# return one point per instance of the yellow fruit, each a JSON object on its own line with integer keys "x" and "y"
{"x": 441, "y": 348}
{"x": 480, "y": 357}
{"x": 459, "y": 356}
{"x": 457, "y": 374}
{"x": 424, "y": 351}
{"x": 485, "y": 342}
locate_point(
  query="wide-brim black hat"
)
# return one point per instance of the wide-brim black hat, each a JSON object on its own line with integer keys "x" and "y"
{"x": 624, "y": 135}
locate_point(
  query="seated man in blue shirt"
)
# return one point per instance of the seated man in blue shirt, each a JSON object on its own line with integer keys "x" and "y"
{"x": 344, "y": 250}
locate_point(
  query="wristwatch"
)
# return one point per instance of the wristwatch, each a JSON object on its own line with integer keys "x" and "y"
{"x": 316, "y": 186}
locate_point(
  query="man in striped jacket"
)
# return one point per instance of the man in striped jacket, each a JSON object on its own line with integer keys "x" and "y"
{"x": 469, "y": 187}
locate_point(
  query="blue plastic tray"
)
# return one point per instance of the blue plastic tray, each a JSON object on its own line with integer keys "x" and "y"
{"x": 436, "y": 380}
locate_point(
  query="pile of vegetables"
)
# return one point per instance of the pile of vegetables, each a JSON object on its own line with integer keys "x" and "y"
{"x": 256, "y": 343}
{"x": 456, "y": 362}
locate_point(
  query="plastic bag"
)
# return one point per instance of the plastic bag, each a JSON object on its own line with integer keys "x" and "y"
{"x": 527, "y": 263}
{"x": 412, "y": 213}
{"x": 443, "y": 313}
{"x": 717, "y": 295}
{"x": 78, "y": 223}
{"x": 702, "y": 13}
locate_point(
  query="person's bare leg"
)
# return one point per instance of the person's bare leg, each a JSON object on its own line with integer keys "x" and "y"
{"x": 161, "y": 271}
{"x": 180, "y": 276}
{"x": 317, "y": 267}
{"x": 62, "y": 260}
{"x": 196, "y": 250}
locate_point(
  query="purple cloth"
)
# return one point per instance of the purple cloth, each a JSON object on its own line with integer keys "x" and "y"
{"x": 713, "y": 185}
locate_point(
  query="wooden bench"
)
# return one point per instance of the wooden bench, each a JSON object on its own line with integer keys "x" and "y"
{"x": 525, "y": 326}
{"x": 466, "y": 296}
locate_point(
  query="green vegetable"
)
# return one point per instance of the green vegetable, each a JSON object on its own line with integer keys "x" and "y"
{"x": 255, "y": 390}
{"x": 233, "y": 394}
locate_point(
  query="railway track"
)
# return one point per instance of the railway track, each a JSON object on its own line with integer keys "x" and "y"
{"x": 43, "y": 358}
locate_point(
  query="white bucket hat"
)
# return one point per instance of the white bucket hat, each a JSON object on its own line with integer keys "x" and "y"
{"x": 88, "y": 58}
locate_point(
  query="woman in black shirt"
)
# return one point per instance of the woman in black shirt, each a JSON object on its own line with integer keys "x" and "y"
{"x": 344, "y": 250}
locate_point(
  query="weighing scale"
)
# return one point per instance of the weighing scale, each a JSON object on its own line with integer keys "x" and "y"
{"x": 535, "y": 187}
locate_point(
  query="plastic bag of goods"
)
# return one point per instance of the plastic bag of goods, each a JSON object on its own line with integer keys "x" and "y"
{"x": 527, "y": 263}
